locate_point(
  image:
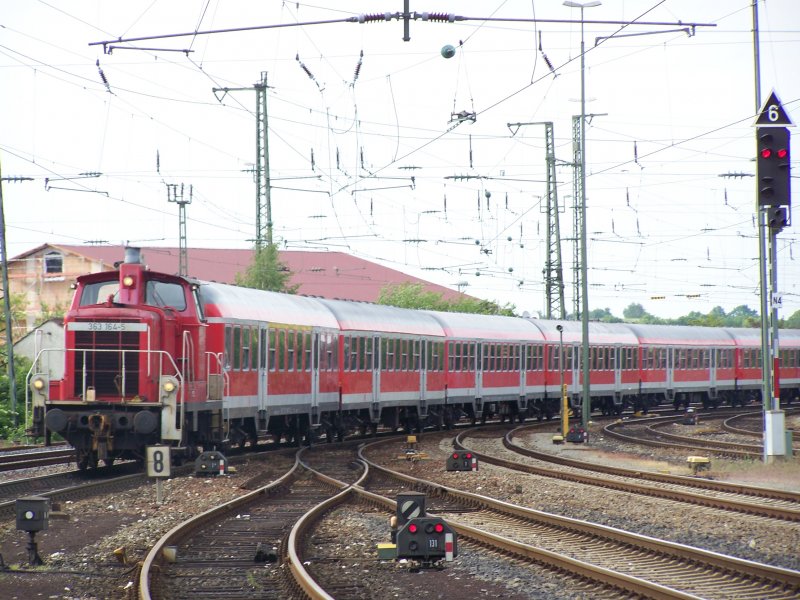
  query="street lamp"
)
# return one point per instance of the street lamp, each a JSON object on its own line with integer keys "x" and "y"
{"x": 586, "y": 402}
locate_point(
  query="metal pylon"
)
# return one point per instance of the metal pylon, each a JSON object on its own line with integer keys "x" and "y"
{"x": 554, "y": 274}
{"x": 261, "y": 169}
{"x": 175, "y": 194}
{"x": 577, "y": 223}
{"x": 263, "y": 200}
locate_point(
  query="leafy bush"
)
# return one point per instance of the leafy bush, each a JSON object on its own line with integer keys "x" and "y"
{"x": 7, "y": 429}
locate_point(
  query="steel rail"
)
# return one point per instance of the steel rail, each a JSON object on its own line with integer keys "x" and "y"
{"x": 712, "y": 560}
{"x": 156, "y": 554}
{"x": 709, "y": 484}
{"x": 752, "y": 508}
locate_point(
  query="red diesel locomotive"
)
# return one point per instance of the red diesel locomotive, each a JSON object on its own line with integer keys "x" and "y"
{"x": 156, "y": 358}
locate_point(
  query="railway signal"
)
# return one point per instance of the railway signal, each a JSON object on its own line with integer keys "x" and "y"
{"x": 776, "y": 218}
{"x": 427, "y": 540}
{"x": 210, "y": 463}
{"x": 410, "y": 505}
{"x": 33, "y": 514}
{"x": 462, "y": 460}
{"x": 773, "y": 168}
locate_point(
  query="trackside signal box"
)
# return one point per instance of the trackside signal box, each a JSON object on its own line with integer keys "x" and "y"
{"x": 462, "y": 460}
{"x": 33, "y": 513}
{"x": 577, "y": 435}
{"x": 211, "y": 463}
{"x": 427, "y": 540}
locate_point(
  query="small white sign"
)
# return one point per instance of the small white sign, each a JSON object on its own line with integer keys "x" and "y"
{"x": 105, "y": 326}
{"x": 777, "y": 299}
{"x": 158, "y": 461}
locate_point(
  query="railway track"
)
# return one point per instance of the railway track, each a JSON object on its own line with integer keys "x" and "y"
{"x": 638, "y": 564}
{"x": 752, "y": 424}
{"x": 230, "y": 538}
{"x": 752, "y": 500}
{"x": 74, "y": 485}
{"x": 12, "y": 461}
{"x": 648, "y": 432}
{"x": 202, "y": 551}
{"x": 244, "y": 537}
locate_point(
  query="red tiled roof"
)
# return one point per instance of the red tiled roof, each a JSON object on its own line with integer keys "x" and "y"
{"x": 326, "y": 274}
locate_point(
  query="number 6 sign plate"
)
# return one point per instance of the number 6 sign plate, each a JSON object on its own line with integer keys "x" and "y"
{"x": 158, "y": 464}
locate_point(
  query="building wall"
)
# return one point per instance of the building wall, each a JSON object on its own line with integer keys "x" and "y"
{"x": 50, "y": 335}
{"x": 39, "y": 280}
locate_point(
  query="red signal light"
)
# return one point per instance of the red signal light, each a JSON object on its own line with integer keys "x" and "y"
{"x": 469, "y": 455}
{"x": 439, "y": 528}
{"x": 783, "y": 153}
{"x": 412, "y": 528}
{"x": 766, "y": 152}
{"x": 455, "y": 455}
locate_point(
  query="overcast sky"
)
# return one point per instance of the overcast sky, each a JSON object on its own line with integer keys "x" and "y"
{"x": 368, "y": 155}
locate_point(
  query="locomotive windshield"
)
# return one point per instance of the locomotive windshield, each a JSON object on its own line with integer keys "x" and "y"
{"x": 161, "y": 293}
{"x": 157, "y": 293}
{"x": 97, "y": 293}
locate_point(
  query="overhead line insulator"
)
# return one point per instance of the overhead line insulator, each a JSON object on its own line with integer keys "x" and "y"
{"x": 441, "y": 17}
{"x": 376, "y": 17}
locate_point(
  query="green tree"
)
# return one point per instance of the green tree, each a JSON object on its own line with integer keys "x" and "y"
{"x": 415, "y": 296}
{"x": 18, "y": 326}
{"x": 267, "y": 272}
{"x": 57, "y": 311}
{"x": 634, "y": 311}
{"x": 21, "y": 367}
{"x": 793, "y": 322}
{"x": 743, "y": 316}
{"x": 603, "y": 315}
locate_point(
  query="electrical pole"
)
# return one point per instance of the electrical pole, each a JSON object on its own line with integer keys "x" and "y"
{"x": 554, "y": 275}
{"x": 553, "y": 271}
{"x": 178, "y": 198}
{"x": 261, "y": 170}
{"x": 577, "y": 221}
{"x": 12, "y": 375}
{"x": 773, "y": 199}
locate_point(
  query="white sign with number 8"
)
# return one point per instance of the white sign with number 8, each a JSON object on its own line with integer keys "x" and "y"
{"x": 158, "y": 461}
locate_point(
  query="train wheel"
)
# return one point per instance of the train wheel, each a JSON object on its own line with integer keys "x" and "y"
{"x": 82, "y": 462}
{"x": 86, "y": 459}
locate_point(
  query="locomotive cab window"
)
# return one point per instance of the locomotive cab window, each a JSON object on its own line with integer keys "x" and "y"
{"x": 162, "y": 293}
{"x": 98, "y": 292}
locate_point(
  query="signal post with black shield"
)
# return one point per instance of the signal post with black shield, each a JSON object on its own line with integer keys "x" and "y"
{"x": 773, "y": 175}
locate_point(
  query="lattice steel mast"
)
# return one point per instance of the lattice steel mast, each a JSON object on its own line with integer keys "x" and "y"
{"x": 175, "y": 194}
{"x": 554, "y": 274}
{"x": 261, "y": 168}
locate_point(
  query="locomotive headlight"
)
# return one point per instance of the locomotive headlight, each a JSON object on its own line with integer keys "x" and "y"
{"x": 169, "y": 385}
{"x": 127, "y": 281}
{"x": 39, "y": 385}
